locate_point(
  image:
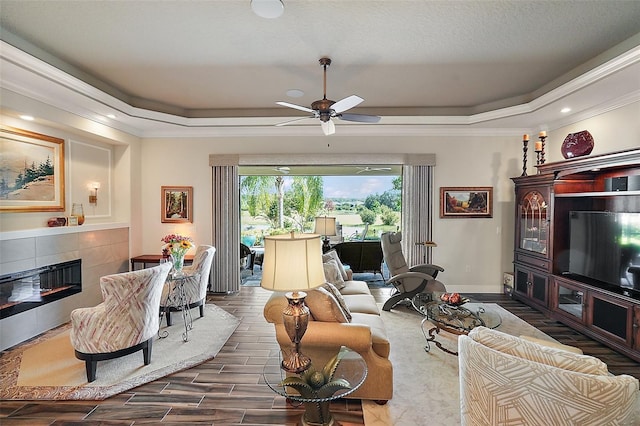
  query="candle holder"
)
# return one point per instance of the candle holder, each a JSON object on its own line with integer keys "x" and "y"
{"x": 538, "y": 152}
{"x": 543, "y": 140}
{"x": 525, "y": 143}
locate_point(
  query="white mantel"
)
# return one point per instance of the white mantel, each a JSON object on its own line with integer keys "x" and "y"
{"x": 59, "y": 230}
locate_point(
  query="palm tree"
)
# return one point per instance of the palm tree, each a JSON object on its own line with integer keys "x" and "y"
{"x": 257, "y": 190}
{"x": 304, "y": 200}
{"x": 307, "y": 199}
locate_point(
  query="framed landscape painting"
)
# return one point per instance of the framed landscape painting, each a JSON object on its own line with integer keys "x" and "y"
{"x": 458, "y": 202}
{"x": 177, "y": 204}
{"x": 32, "y": 171}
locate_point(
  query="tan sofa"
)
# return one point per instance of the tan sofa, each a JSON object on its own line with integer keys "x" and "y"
{"x": 328, "y": 330}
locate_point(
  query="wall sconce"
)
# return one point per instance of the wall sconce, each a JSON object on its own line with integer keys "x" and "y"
{"x": 93, "y": 198}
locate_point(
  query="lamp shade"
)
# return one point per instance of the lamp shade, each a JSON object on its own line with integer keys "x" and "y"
{"x": 325, "y": 226}
{"x": 292, "y": 262}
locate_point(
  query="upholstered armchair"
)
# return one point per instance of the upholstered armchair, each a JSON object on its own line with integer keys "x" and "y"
{"x": 195, "y": 294}
{"x": 507, "y": 380}
{"x": 125, "y": 322}
{"x": 408, "y": 281}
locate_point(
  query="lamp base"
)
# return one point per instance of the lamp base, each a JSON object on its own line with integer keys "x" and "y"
{"x": 326, "y": 245}
{"x": 295, "y": 319}
{"x": 296, "y": 362}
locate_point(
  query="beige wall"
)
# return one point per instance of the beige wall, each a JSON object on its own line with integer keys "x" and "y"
{"x": 474, "y": 252}
{"x": 614, "y": 131}
{"x": 88, "y": 156}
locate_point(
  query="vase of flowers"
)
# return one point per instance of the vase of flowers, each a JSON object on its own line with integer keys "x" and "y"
{"x": 177, "y": 246}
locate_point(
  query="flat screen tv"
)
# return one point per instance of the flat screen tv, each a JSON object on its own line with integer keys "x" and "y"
{"x": 605, "y": 246}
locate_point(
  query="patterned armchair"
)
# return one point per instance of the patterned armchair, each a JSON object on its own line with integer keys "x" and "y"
{"x": 126, "y": 322}
{"x": 507, "y": 380}
{"x": 196, "y": 294}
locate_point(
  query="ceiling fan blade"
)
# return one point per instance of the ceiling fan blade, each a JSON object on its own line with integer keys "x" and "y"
{"x": 361, "y": 118}
{"x": 328, "y": 127}
{"x": 294, "y": 106}
{"x": 284, "y": 123}
{"x": 346, "y": 103}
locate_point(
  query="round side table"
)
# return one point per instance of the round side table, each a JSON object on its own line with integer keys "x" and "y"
{"x": 317, "y": 390}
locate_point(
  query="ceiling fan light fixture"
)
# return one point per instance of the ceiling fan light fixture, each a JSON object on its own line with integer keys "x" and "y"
{"x": 269, "y": 9}
{"x": 295, "y": 93}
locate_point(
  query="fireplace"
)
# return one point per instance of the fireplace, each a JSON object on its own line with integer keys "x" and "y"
{"x": 26, "y": 290}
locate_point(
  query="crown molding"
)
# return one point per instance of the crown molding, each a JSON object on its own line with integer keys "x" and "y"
{"x": 31, "y": 77}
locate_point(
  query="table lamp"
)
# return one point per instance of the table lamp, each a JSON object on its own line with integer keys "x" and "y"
{"x": 293, "y": 263}
{"x": 325, "y": 226}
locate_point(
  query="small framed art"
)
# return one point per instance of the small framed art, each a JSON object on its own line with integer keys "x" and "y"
{"x": 176, "y": 204}
{"x": 459, "y": 202}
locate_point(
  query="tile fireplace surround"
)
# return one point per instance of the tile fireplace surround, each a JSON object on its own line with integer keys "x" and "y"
{"x": 104, "y": 249}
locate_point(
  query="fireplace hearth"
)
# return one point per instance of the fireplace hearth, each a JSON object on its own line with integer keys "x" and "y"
{"x": 21, "y": 291}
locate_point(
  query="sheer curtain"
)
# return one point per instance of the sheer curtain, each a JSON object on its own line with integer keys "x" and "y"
{"x": 417, "y": 211}
{"x": 225, "y": 273}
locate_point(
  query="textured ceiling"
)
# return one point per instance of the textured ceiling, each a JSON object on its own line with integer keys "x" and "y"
{"x": 218, "y": 59}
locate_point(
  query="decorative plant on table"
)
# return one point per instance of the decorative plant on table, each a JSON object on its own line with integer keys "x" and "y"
{"x": 177, "y": 246}
{"x": 314, "y": 384}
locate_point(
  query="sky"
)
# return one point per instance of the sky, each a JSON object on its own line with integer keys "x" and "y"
{"x": 356, "y": 186}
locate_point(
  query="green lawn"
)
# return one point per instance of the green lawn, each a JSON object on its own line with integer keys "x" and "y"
{"x": 350, "y": 221}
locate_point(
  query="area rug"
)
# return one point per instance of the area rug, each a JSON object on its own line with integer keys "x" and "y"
{"x": 46, "y": 368}
{"x": 425, "y": 384}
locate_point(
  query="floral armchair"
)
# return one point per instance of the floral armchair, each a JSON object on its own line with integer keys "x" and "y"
{"x": 125, "y": 322}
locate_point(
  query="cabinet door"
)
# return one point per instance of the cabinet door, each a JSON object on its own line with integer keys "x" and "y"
{"x": 636, "y": 327}
{"x": 532, "y": 285}
{"x": 532, "y": 223}
{"x": 569, "y": 300}
{"x": 521, "y": 281}
{"x": 611, "y": 317}
{"x": 539, "y": 285}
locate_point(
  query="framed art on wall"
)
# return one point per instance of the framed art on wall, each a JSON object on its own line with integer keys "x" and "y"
{"x": 177, "y": 204}
{"x": 459, "y": 202}
{"x": 32, "y": 167}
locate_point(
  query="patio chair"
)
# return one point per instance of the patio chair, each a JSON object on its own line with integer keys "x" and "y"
{"x": 408, "y": 281}
{"x": 247, "y": 258}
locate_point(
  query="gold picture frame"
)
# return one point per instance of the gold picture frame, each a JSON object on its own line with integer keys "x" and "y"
{"x": 176, "y": 204}
{"x": 466, "y": 202}
{"x": 33, "y": 171}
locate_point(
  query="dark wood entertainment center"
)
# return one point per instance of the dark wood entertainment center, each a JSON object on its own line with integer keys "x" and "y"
{"x": 606, "y": 313}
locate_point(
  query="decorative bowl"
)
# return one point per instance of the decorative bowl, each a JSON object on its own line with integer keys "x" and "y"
{"x": 577, "y": 144}
{"x": 457, "y": 299}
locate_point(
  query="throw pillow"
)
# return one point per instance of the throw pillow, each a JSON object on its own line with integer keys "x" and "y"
{"x": 324, "y": 307}
{"x": 332, "y": 254}
{"x": 336, "y": 293}
{"x": 332, "y": 273}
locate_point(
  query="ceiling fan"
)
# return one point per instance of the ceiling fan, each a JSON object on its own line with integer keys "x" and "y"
{"x": 284, "y": 170}
{"x": 372, "y": 169}
{"x": 326, "y": 109}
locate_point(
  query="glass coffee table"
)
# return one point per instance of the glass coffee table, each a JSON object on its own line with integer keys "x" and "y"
{"x": 332, "y": 381}
{"x": 454, "y": 319}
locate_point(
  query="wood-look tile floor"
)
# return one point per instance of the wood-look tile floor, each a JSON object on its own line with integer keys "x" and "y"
{"x": 230, "y": 390}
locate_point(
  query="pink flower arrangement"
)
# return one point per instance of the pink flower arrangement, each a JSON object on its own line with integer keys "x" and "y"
{"x": 177, "y": 245}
